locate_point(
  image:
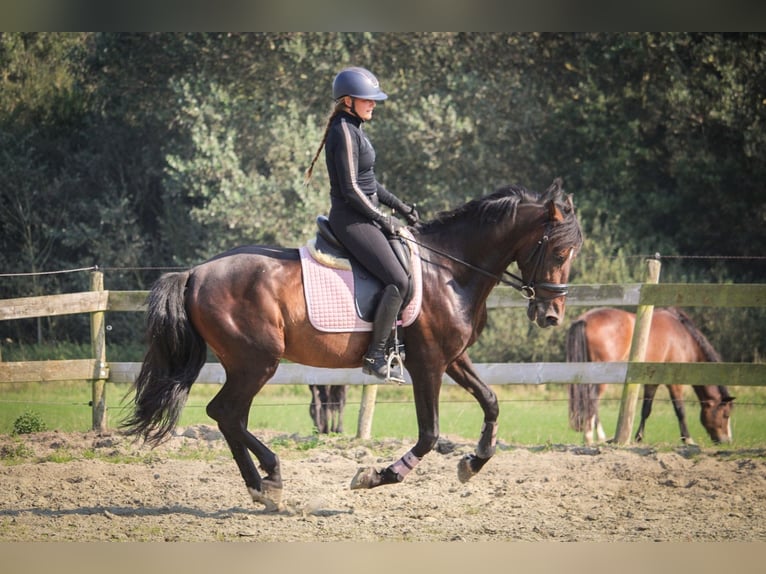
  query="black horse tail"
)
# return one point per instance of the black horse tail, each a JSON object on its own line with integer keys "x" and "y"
{"x": 581, "y": 395}
{"x": 175, "y": 357}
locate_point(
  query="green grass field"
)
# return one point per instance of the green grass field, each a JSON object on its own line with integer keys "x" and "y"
{"x": 529, "y": 415}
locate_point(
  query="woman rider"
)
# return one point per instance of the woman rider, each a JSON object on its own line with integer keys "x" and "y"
{"x": 355, "y": 214}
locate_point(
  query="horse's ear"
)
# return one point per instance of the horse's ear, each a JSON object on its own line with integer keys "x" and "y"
{"x": 552, "y": 196}
{"x": 554, "y": 190}
{"x": 554, "y": 213}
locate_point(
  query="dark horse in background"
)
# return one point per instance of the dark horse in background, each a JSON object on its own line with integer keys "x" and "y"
{"x": 605, "y": 334}
{"x": 326, "y": 407}
{"x": 248, "y": 305}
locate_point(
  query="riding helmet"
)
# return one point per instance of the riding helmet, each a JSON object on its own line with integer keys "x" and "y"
{"x": 357, "y": 83}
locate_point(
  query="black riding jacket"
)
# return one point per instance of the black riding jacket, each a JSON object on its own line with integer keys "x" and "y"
{"x": 350, "y": 160}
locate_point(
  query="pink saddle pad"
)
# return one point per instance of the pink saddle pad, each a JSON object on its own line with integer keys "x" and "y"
{"x": 330, "y": 295}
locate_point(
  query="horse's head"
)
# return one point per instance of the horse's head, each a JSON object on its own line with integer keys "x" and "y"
{"x": 715, "y": 416}
{"x": 546, "y": 265}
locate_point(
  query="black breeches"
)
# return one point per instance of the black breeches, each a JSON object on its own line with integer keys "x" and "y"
{"x": 369, "y": 245}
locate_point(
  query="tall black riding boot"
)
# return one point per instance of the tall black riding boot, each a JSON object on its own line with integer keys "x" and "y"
{"x": 385, "y": 317}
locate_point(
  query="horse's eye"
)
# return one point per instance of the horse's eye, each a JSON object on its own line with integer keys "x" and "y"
{"x": 563, "y": 257}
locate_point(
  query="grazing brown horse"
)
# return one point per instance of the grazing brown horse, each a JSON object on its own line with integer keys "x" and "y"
{"x": 248, "y": 306}
{"x": 326, "y": 408}
{"x": 605, "y": 334}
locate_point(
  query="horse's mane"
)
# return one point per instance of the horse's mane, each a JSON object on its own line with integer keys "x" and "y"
{"x": 502, "y": 204}
{"x": 497, "y": 206}
{"x": 707, "y": 348}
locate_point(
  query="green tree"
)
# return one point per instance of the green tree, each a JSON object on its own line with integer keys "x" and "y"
{"x": 237, "y": 197}
{"x": 660, "y": 132}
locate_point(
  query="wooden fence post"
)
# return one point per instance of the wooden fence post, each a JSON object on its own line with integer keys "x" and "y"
{"x": 366, "y": 410}
{"x": 638, "y": 347}
{"x": 98, "y": 345}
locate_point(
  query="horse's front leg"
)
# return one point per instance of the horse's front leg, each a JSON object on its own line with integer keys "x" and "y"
{"x": 425, "y": 387}
{"x": 677, "y": 398}
{"x": 464, "y": 374}
{"x": 646, "y": 410}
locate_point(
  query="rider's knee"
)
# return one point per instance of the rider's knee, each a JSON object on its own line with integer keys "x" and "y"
{"x": 401, "y": 283}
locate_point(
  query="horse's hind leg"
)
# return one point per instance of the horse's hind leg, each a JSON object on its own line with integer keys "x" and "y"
{"x": 593, "y": 431}
{"x": 337, "y": 404}
{"x": 596, "y": 428}
{"x": 591, "y": 427}
{"x": 600, "y": 431}
{"x": 230, "y": 409}
{"x": 318, "y": 408}
{"x": 463, "y": 373}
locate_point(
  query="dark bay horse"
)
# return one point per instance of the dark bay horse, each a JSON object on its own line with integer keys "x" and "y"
{"x": 605, "y": 334}
{"x": 248, "y": 306}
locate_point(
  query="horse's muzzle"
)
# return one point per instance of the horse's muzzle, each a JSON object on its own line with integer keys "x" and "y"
{"x": 544, "y": 315}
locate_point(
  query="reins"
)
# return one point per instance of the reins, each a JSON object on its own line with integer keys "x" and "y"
{"x": 527, "y": 289}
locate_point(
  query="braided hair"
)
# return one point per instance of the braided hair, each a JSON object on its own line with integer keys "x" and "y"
{"x": 337, "y": 108}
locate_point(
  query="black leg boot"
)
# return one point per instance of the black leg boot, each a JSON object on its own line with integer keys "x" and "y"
{"x": 385, "y": 318}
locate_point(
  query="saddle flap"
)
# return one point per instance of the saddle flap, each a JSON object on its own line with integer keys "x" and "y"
{"x": 342, "y": 298}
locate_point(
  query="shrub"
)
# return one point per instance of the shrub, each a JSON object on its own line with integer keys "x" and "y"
{"x": 28, "y": 422}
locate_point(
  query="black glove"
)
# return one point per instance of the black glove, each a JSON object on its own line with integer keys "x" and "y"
{"x": 390, "y": 224}
{"x": 407, "y": 211}
{"x": 411, "y": 214}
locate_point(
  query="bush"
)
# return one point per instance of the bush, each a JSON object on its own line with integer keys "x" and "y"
{"x": 27, "y": 423}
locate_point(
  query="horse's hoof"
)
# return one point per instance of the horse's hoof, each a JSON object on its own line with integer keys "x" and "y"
{"x": 270, "y": 497}
{"x": 364, "y": 478}
{"x": 464, "y": 470}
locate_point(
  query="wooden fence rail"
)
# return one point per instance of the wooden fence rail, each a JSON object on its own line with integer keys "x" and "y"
{"x": 99, "y": 371}
{"x": 735, "y": 374}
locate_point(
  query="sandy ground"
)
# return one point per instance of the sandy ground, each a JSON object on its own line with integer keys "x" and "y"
{"x": 89, "y": 487}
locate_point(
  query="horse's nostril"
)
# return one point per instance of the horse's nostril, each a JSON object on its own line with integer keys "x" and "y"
{"x": 551, "y": 321}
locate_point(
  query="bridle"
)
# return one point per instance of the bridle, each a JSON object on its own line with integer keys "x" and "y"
{"x": 527, "y": 289}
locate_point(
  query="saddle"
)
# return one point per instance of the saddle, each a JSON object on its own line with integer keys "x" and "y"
{"x": 367, "y": 287}
{"x": 341, "y": 295}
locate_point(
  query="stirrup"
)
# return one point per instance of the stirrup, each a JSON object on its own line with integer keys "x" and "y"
{"x": 391, "y": 372}
{"x": 395, "y": 367}
{"x": 395, "y": 359}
